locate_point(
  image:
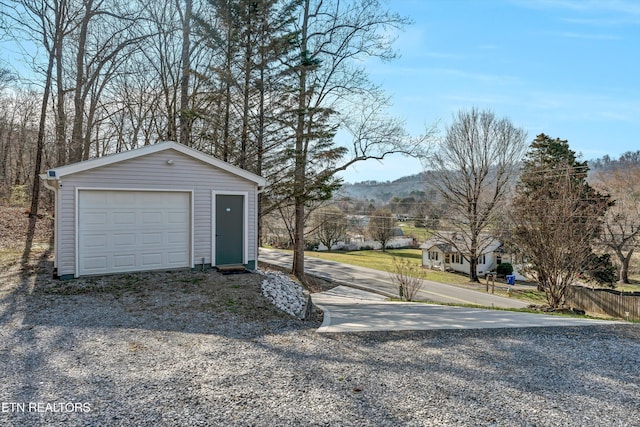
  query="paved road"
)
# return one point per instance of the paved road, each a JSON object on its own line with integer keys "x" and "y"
{"x": 378, "y": 281}
{"x": 352, "y": 310}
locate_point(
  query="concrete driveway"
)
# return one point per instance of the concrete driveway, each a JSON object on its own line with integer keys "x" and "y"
{"x": 353, "y": 310}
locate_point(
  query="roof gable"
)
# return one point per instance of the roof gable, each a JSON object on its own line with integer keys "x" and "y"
{"x": 57, "y": 173}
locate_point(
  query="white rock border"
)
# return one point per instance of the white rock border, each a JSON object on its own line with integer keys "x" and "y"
{"x": 284, "y": 293}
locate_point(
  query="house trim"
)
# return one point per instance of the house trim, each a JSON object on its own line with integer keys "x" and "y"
{"x": 57, "y": 173}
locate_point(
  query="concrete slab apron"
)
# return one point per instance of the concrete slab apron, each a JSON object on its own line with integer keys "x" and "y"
{"x": 352, "y": 310}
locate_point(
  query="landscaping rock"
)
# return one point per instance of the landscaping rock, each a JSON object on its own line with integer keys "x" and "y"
{"x": 286, "y": 294}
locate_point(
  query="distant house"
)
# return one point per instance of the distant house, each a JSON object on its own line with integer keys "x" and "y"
{"x": 358, "y": 221}
{"x": 437, "y": 254}
{"x": 402, "y": 217}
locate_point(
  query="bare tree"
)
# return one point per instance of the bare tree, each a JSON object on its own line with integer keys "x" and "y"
{"x": 555, "y": 227}
{"x": 185, "y": 59}
{"x": 43, "y": 22}
{"x": 104, "y": 33}
{"x": 473, "y": 168}
{"x": 6, "y": 77}
{"x": 380, "y": 227}
{"x": 18, "y": 137}
{"x": 330, "y": 225}
{"x": 621, "y": 226}
{"x": 331, "y": 37}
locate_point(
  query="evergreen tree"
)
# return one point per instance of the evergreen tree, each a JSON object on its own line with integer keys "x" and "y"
{"x": 557, "y": 216}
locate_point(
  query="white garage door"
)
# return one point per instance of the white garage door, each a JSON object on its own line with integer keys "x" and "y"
{"x": 121, "y": 231}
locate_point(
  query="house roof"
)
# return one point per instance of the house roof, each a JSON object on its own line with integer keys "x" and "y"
{"x": 442, "y": 247}
{"x": 447, "y": 247}
{"x": 57, "y": 173}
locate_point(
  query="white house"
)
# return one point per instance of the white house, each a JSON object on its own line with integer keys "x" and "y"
{"x": 440, "y": 255}
{"x": 162, "y": 206}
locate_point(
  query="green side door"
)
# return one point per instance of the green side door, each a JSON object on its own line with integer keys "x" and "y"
{"x": 229, "y": 229}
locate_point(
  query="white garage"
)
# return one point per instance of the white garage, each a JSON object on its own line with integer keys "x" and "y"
{"x": 159, "y": 207}
{"x": 121, "y": 231}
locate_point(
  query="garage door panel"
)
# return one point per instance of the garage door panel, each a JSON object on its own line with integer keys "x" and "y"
{"x": 149, "y": 200}
{"x": 95, "y": 263}
{"x": 151, "y": 260}
{"x": 124, "y": 218}
{"x": 133, "y": 231}
{"x": 97, "y": 199}
{"x": 153, "y": 217}
{"x": 124, "y": 240}
{"x": 177, "y": 217}
{"x": 129, "y": 198}
{"x": 124, "y": 261}
{"x": 92, "y": 218}
{"x": 176, "y": 258}
{"x": 176, "y": 238}
{"x": 154, "y": 239}
{"x": 93, "y": 241}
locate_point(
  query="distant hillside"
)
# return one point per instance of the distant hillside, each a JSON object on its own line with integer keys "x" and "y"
{"x": 384, "y": 190}
{"x": 630, "y": 158}
{"x": 418, "y": 184}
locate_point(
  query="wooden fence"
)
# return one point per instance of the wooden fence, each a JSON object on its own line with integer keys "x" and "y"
{"x": 625, "y": 305}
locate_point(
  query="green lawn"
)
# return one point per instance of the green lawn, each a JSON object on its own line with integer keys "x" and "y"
{"x": 634, "y": 286}
{"x": 422, "y": 234}
{"x": 383, "y": 261}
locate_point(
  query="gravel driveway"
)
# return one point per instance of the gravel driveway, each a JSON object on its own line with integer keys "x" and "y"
{"x": 165, "y": 354}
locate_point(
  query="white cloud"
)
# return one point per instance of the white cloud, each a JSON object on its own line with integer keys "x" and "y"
{"x": 595, "y": 6}
{"x": 588, "y": 36}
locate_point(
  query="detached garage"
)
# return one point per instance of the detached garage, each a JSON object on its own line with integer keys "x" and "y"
{"x": 163, "y": 206}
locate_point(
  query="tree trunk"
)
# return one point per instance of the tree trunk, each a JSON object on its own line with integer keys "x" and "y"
{"x": 244, "y": 134}
{"x": 624, "y": 266}
{"x": 300, "y": 161}
{"x": 35, "y": 190}
{"x": 260, "y": 149}
{"x": 226, "y": 133}
{"x": 473, "y": 269}
{"x": 61, "y": 117}
{"x": 184, "y": 83}
{"x": 473, "y": 258}
{"x": 77, "y": 140}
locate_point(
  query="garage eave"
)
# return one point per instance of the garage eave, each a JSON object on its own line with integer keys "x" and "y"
{"x": 57, "y": 173}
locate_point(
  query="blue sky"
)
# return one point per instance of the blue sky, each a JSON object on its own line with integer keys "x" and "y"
{"x": 569, "y": 69}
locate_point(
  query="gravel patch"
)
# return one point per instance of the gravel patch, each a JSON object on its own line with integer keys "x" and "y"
{"x": 181, "y": 349}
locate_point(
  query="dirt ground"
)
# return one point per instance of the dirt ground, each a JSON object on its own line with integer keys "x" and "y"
{"x": 15, "y": 225}
{"x": 31, "y": 271}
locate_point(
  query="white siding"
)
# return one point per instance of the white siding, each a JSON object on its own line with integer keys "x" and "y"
{"x": 153, "y": 172}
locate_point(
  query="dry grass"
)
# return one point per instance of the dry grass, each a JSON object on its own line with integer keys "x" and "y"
{"x": 30, "y": 273}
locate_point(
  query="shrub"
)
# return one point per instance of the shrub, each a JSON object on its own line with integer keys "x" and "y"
{"x": 18, "y": 195}
{"x": 601, "y": 270}
{"x": 406, "y": 276}
{"x": 311, "y": 246}
{"x": 504, "y": 269}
